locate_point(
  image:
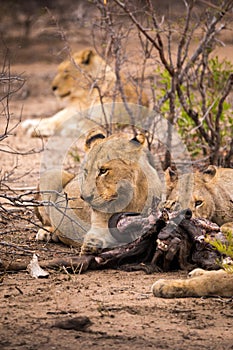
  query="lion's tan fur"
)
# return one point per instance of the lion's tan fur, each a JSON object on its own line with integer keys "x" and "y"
{"x": 59, "y": 220}
{"x": 83, "y": 81}
{"x": 201, "y": 283}
{"x": 116, "y": 176}
{"x": 208, "y": 194}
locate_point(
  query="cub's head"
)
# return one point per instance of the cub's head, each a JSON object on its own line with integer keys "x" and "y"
{"x": 77, "y": 75}
{"x": 191, "y": 191}
{"x": 112, "y": 177}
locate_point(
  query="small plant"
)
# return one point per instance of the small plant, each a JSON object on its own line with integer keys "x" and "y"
{"x": 225, "y": 249}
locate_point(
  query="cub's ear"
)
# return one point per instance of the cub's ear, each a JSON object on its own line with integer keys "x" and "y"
{"x": 209, "y": 173}
{"x": 87, "y": 56}
{"x": 93, "y": 137}
{"x": 139, "y": 139}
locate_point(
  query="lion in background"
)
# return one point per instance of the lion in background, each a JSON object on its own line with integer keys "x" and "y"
{"x": 82, "y": 81}
{"x": 115, "y": 176}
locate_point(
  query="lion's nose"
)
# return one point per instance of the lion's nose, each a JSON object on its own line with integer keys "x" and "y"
{"x": 87, "y": 198}
{"x": 54, "y": 87}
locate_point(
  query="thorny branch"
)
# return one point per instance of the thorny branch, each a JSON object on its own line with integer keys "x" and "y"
{"x": 189, "y": 67}
{"x": 11, "y": 202}
{"x": 115, "y": 39}
{"x": 9, "y": 85}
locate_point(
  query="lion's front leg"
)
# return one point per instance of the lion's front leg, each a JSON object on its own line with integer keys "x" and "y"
{"x": 97, "y": 239}
{"x": 39, "y": 127}
{"x": 173, "y": 289}
{"x": 99, "y": 236}
{"x": 48, "y": 126}
{"x": 202, "y": 283}
{"x": 92, "y": 243}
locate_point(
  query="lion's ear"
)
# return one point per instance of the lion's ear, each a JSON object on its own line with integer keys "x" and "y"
{"x": 139, "y": 139}
{"x": 171, "y": 175}
{"x": 94, "y": 137}
{"x": 86, "y": 56}
{"x": 209, "y": 173}
{"x": 171, "y": 179}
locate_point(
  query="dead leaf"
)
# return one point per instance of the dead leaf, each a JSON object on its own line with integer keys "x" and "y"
{"x": 35, "y": 270}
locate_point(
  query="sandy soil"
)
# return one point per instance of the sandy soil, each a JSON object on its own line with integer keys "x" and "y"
{"x": 120, "y": 306}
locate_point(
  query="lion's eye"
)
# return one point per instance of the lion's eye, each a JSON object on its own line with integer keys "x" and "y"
{"x": 103, "y": 171}
{"x": 198, "y": 203}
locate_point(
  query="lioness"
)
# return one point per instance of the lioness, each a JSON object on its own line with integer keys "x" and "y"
{"x": 116, "y": 176}
{"x": 201, "y": 283}
{"x": 83, "y": 81}
{"x": 208, "y": 194}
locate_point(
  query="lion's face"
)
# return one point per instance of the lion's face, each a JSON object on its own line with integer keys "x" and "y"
{"x": 116, "y": 176}
{"x": 190, "y": 192}
{"x": 78, "y": 75}
{"x": 112, "y": 177}
{"x": 208, "y": 194}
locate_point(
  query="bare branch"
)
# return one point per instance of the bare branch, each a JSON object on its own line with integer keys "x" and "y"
{"x": 184, "y": 35}
{"x": 226, "y": 92}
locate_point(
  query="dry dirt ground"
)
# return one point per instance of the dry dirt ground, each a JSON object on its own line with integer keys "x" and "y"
{"x": 120, "y": 306}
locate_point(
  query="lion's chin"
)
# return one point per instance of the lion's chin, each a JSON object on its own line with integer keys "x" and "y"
{"x": 64, "y": 95}
{"x": 111, "y": 206}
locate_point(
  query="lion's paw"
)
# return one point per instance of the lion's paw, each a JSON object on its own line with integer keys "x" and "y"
{"x": 196, "y": 272}
{"x": 42, "y": 129}
{"x": 29, "y": 125}
{"x": 174, "y": 288}
{"x": 161, "y": 288}
{"x": 36, "y": 128}
{"x": 92, "y": 245}
{"x": 45, "y": 129}
{"x": 46, "y": 235}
